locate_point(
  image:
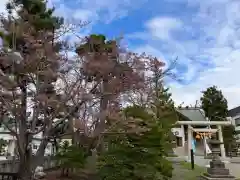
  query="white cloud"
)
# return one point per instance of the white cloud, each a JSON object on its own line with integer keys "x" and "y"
{"x": 111, "y": 9}
{"x": 162, "y": 27}
{"x": 94, "y": 10}
{"x": 225, "y": 77}
{"x": 218, "y": 44}
{"x": 220, "y": 20}
{"x": 77, "y": 14}
{"x": 84, "y": 15}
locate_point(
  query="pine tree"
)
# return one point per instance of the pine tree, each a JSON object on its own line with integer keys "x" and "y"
{"x": 215, "y": 107}
{"x": 162, "y": 104}
{"x": 214, "y": 104}
{"x": 103, "y": 64}
{"x": 71, "y": 156}
{"x": 29, "y": 58}
{"x": 163, "y": 108}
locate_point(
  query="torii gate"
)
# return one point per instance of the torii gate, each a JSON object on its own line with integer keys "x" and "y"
{"x": 200, "y": 123}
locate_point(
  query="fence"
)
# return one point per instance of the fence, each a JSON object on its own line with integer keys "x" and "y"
{"x": 12, "y": 165}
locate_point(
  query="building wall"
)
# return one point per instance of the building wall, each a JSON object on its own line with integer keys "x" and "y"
{"x": 236, "y": 122}
{"x": 5, "y": 135}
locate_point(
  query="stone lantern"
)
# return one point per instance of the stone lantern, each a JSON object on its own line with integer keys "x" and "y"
{"x": 217, "y": 170}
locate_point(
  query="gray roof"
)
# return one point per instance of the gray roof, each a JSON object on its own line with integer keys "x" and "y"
{"x": 234, "y": 112}
{"x": 193, "y": 114}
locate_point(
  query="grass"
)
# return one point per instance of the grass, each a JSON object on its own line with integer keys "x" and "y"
{"x": 192, "y": 174}
{"x": 183, "y": 170}
{"x": 188, "y": 166}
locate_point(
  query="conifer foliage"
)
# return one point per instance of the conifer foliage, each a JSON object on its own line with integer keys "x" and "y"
{"x": 137, "y": 155}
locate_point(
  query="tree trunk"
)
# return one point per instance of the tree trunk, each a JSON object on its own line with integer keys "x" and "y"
{"x": 25, "y": 169}
{"x": 25, "y": 154}
{"x": 71, "y": 129}
{"x": 101, "y": 122}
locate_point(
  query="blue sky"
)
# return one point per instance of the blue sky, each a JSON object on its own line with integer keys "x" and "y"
{"x": 203, "y": 34}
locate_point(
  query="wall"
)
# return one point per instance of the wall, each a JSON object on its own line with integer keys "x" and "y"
{"x": 35, "y": 145}
{"x": 12, "y": 166}
{"x": 4, "y": 134}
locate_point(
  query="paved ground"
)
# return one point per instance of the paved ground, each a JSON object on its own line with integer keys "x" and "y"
{"x": 234, "y": 168}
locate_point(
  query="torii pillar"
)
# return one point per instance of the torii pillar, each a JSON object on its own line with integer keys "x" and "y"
{"x": 189, "y": 141}
{"x": 220, "y": 136}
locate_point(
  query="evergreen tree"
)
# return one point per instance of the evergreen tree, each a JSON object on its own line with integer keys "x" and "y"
{"x": 71, "y": 156}
{"x": 137, "y": 155}
{"x": 214, "y": 104}
{"x": 103, "y": 64}
{"x": 162, "y": 104}
{"x": 215, "y": 108}
{"x": 33, "y": 12}
{"x": 164, "y": 109}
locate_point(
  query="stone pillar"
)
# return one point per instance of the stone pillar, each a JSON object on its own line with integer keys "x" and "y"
{"x": 189, "y": 142}
{"x": 217, "y": 170}
{"x": 220, "y": 136}
{"x": 183, "y": 135}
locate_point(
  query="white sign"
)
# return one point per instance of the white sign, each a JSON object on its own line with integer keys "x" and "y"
{"x": 178, "y": 132}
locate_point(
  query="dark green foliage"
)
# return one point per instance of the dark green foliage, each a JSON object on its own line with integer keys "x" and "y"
{"x": 99, "y": 49}
{"x": 43, "y": 16}
{"x": 101, "y": 63}
{"x": 216, "y": 108}
{"x": 165, "y": 97}
{"x": 71, "y": 156}
{"x": 229, "y": 137}
{"x": 214, "y": 104}
{"x": 139, "y": 155}
{"x": 36, "y": 13}
{"x": 94, "y": 43}
{"x": 137, "y": 112}
{"x": 164, "y": 110}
